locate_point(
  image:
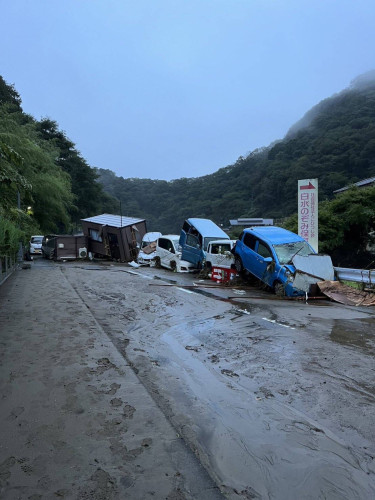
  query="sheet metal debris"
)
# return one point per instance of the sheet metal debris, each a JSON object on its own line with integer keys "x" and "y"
{"x": 311, "y": 269}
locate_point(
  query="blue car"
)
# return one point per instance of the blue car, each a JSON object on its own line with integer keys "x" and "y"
{"x": 267, "y": 253}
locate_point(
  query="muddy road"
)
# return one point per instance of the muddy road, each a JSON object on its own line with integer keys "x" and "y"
{"x": 275, "y": 397}
{"x": 142, "y": 383}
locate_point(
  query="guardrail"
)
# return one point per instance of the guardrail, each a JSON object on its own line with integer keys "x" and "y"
{"x": 357, "y": 275}
{"x": 7, "y": 265}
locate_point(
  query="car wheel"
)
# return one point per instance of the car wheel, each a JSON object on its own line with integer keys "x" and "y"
{"x": 238, "y": 265}
{"x": 173, "y": 266}
{"x": 157, "y": 262}
{"x": 279, "y": 289}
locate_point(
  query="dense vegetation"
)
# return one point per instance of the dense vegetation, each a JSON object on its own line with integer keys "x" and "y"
{"x": 40, "y": 166}
{"x": 335, "y": 142}
{"x": 346, "y": 227}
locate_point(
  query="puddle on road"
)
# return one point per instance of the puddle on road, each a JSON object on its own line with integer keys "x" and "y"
{"x": 257, "y": 442}
{"x": 355, "y": 333}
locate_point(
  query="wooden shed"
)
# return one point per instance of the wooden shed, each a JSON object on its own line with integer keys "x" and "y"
{"x": 114, "y": 236}
{"x": 64, "y": 246}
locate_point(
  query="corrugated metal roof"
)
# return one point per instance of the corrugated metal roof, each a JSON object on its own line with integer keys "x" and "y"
{"x": 363, "y": 182}
{"x": 113, "y": 220}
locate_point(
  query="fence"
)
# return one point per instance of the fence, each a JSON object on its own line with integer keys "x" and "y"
{"x": 7, "y": 266}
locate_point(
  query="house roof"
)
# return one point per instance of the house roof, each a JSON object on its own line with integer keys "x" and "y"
{"x": 113, "y": 220}
{"x": 362, "y": 183}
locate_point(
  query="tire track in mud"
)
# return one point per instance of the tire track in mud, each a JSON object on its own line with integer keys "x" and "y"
{"x": 331, "y": 466}
{"x": 212, "y": 490}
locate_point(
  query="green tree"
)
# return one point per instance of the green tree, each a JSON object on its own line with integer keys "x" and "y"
{"x": 344, "y": 226}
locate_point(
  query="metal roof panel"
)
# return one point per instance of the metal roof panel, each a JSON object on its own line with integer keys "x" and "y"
{"x": 113, "y": 220}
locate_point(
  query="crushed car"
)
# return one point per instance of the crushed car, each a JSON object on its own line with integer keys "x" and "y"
{"x": 168, "y": 254}
{"x": 282, "y": 260}
{"x": 147, "y": 251}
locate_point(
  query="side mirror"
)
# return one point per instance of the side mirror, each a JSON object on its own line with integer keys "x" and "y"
{"x": 268, "y": 260}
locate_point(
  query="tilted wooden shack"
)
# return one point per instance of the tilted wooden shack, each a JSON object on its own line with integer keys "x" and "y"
{"x": 114, "y": 236}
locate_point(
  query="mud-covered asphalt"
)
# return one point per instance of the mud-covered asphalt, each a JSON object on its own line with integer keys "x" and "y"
{"x": 269, "y": 398}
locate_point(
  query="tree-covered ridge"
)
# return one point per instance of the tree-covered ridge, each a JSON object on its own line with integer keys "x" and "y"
{"x": 56, "y": 186}
{"x": 334, "y": 142}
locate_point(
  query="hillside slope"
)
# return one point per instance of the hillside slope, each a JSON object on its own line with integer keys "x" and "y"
{"x": 334, "y": 141}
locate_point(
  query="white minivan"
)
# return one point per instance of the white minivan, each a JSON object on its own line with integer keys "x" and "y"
{"x": 35, "y": 245}
{"x": 219, "y": 254}
{"x": 168, "y": 254}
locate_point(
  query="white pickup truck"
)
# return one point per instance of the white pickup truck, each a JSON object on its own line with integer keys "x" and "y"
{"x": 219, "y": 254}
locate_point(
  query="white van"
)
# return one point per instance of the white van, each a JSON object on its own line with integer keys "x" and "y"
{"x": 35, "y": 244}
{"x": 219, "y": 254}
{"x": 168, "y": 254}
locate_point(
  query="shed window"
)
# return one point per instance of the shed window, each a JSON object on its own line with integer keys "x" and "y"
{"x": 94, "y": 235}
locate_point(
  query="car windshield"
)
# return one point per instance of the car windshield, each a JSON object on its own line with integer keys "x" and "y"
{"x": 287, "y": 251}
{"x": 220, "y": 248}
{"x": 207, "y": 240}
{"x": 36, "y": 239}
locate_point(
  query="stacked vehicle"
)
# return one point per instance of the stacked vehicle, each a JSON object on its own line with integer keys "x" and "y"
{"x": 282, "y": 260}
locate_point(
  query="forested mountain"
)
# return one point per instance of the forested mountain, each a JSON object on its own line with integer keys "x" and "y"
{"x": 56, "y": 186}
{"x": 334, "y": 141}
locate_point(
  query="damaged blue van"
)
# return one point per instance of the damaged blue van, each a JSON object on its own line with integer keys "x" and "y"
{"x": 195, "y": 237}
{"x": 268, "y": 253}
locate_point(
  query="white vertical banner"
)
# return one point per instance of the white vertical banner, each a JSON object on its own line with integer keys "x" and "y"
{"x": 308, "y": 211}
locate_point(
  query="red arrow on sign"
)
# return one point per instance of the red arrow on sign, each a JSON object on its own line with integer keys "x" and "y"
{"x": 309, "y": 186}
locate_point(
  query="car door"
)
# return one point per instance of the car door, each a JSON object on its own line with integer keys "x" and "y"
{"x": 192, "y": 249}
{"x": 163, "y": 253}
{"x": 247, "y": 253}
{"x": 263, "y": 270}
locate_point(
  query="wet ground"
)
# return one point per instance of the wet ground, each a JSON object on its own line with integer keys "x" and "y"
{"x": 275, "y": 398}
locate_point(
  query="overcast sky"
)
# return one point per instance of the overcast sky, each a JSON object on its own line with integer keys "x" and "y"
{"x": 165, "y": 89}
